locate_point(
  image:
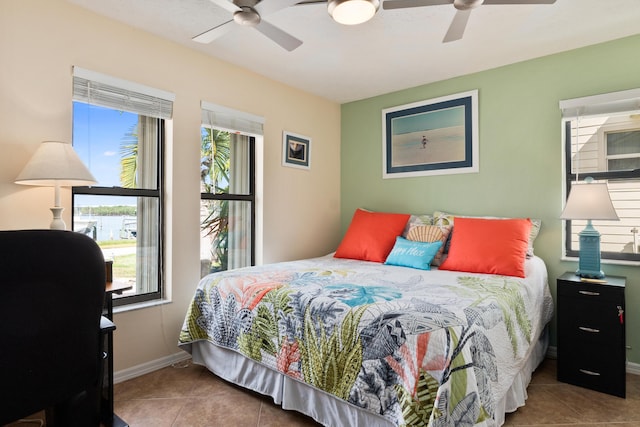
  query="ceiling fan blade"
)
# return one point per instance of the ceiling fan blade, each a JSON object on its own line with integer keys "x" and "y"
{"x": 266, "y": 7}
{"x": 518, "y": 2}
{"x": 226, "y": 5}
{"x": 310, "y": 2}
{"x": 402, "y": 4}
{"x": 212, "y": 34}
{"x": 458, "y": 25}
{"x": 287, "y": 41}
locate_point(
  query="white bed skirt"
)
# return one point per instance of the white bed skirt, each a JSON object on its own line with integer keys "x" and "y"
{"x": 323, "y": 407}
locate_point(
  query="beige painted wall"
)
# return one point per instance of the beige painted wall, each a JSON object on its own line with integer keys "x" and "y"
{"x": 40, "y": 41}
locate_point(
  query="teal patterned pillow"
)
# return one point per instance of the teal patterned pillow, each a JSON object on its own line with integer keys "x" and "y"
{"x": 407, "y": 253}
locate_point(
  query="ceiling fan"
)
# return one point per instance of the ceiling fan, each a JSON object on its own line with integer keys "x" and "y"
{"x": 464, "y": 8}
{"x": 250, "y": 13}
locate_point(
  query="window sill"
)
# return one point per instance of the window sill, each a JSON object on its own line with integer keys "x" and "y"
{"x": 140, "y": 305}
{"x": 606, "y": 261}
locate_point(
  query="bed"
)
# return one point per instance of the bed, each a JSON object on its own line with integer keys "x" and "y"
{"x": 360, "y": 342}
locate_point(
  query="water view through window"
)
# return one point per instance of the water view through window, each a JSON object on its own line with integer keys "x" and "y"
{"x": 122, "y": 211}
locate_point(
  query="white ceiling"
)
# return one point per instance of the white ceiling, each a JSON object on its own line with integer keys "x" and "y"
{"x": 397, "y": 49}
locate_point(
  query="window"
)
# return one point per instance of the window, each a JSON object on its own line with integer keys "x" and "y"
{"x": 227, "y": 189}
{"x": 118, "y": 131}
{"x": 602, "y": 140}
{"x": 623, "y": 147}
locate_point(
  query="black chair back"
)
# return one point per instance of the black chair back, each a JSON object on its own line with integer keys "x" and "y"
{"x": 52, "y": 287}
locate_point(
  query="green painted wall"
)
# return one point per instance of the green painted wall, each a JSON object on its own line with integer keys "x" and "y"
{"x": 521, "y": 170}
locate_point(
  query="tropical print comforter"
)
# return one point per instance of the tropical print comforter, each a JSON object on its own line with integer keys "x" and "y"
{"x": 418, "y": 347}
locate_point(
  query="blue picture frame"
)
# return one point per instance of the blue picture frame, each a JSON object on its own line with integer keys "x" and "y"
{"x": 432, "y": 137}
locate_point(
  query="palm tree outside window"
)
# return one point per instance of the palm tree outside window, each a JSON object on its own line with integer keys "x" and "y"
{"x": 227, "y": 200}
{"x": 227, "y": 188}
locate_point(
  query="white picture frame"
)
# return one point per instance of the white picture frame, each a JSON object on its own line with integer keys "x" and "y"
{"x": 296, "y": 150}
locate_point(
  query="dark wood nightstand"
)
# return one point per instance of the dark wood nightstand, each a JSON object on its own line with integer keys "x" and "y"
{"x": 591, "y": 333}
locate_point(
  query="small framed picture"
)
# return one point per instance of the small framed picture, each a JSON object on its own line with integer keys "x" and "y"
{"x": 296, "y": 150}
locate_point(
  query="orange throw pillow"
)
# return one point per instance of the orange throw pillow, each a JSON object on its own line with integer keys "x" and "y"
{"x": 371, "y": 235}
{"x": 492, "y": 246}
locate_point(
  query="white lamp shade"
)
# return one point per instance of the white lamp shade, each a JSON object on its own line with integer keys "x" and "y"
{"x": 55, "y": 163}
{"x": 589, "y": 201}
{"x": 352, "y": 12}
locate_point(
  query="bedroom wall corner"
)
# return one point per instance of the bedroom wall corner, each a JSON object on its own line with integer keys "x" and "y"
{"x": 521, "y": 149}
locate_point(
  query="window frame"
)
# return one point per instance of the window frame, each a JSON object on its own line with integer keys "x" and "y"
{"x": 250, "y": 197}
{"x": 608, "y": 176}
{"x": 139, "y": 192}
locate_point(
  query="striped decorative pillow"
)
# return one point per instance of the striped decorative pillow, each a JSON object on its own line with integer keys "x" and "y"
{"x": 415, "y": 220}
{"x": 430, "y": 234}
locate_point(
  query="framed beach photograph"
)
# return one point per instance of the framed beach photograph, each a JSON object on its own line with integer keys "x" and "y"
{"x": 433, "y": 137}
{"x": 296, "y": 150}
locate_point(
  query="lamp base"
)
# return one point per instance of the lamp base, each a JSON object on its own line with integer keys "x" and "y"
{"x": 587, "y": 274}
{"x": 57, "y": 223}
{"x": 589, "y": 263}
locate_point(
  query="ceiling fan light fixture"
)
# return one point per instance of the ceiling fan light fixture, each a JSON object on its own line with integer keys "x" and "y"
{"x": 467, "y": 4}
{"x": 247, "y": 16}
{"x": 352, "y": 12}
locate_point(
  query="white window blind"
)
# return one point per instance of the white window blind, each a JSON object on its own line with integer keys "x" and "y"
{"x": 225, "y": 118}
{"x": 106, "y": 91}
{"x": 604, "y": 104}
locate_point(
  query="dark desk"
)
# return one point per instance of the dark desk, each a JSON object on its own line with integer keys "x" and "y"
{"x": 109, "y": 419}
{"x": 114, "y": 288}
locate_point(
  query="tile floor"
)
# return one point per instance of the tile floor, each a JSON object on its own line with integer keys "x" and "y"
{"x": 182, "y": 396}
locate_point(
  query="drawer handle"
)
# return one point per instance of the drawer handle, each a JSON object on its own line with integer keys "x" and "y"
{"x": 593, "y": 294}
{"x": 595, "y": 374}
{"x": 585, "y": 329}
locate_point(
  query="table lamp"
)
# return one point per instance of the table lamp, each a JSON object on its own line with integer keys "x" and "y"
{"x": 55, "y": 164}
{"x": 590, "y": 201}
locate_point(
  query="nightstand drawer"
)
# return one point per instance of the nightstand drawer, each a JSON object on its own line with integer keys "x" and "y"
{"x": 603, "y": 379}
{"x": 590, "y": 291}
{"x": 592, "y": 320}
{"x": 593, "y": 358}
{"x": 585, "y": 337}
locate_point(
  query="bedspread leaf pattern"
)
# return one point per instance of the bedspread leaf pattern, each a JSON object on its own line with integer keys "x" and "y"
{"x": 332, "y": 361}
{"x": 506, "y": 294}
{"x": 383, "y": 347}
{"x": 263, "y": 335}
{"x": 417, "y": 409}
{"x": 192, "y": 330}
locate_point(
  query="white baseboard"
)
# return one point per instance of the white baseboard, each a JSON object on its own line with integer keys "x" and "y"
{"x": 632, "y": 368}
{"x": 145, "y": 368}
